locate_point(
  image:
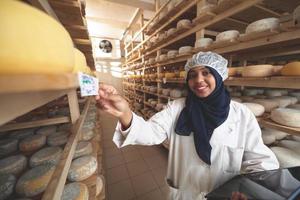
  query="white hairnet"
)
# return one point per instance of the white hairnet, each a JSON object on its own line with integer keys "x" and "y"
{"x": 208, "y": 59}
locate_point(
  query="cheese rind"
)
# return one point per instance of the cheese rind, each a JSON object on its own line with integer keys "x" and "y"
{"x": 286, "y": 157}
{"x": 48, "y": 155}
{"x": 286, "y": 116}
{"x": 291, "y": 69}
{"x": 83, "y": 148}
{"x": 75, "y": 191}
{"x": 257, "y": 71}
{"x": 32, "y": 143}
{"x": 8, "y": 146}
{"x": 7, "y": 184}
{"x": 13, "y": 164}
{"x": 82, "y": 168}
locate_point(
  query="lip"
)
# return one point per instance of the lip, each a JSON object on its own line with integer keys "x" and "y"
{"x": 201, "y": 88}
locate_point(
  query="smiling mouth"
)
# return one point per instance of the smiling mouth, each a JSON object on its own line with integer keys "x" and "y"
{"x": 201, "y": 89}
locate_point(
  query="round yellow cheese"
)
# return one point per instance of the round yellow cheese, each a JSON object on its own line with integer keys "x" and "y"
{"x": 291, "y": 69}
{"x": 34, "y": 181}
{"x": 13, "y": 164}
{"x": 257, "y": 71}
{"x": 32, "y": 42}
{"x": 80, "y": 61}
{"x": 75, "y": 191}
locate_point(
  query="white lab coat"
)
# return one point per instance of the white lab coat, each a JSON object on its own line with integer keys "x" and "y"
{"x": 236, "y": 146}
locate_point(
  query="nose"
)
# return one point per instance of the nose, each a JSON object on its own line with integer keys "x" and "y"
{"x": 199, "y": 78}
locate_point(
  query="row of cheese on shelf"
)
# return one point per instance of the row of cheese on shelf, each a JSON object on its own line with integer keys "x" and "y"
{"x": 176, "y": 74}
{"x": 41, "y": 159}
{"x": 290, "y": 69}
{"x": 39, "y": 44}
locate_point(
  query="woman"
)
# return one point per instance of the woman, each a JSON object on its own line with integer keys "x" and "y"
{"x": 211, "y": 137}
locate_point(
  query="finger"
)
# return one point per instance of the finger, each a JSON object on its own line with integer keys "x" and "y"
{"x": 107, "y": 88}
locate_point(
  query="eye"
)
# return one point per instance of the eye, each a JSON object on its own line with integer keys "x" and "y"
{"x": 205, "y": 73}
{"x": 192, "y": 75}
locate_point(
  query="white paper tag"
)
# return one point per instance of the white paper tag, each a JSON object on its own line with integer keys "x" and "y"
{"x": 89, "y": 85}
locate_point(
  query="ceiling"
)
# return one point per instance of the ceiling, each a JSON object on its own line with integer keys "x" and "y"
{"x": 110, "y": 18}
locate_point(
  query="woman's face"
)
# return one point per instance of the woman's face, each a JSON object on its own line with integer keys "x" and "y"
{"x": 201, "y": 81}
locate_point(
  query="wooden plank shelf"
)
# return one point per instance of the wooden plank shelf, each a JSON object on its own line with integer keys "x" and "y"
{"x": 266, "y": 122}
{"x": 287, "y": 82}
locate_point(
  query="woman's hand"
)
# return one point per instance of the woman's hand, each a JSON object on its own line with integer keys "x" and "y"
{"x": 111, "y": 102}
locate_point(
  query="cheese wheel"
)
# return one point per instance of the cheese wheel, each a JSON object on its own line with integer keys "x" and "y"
{"x": 46, "y": 130}
{"x": 290, "y": 144}
{"x": 295, "y": 94}
{"x": 249, "y": 92}
{"x": 32, "y": 143}
{"x": 82, "y": 168}
{"x": 163, "y": 57}
{"x": 227, "y": 35}
{"x": 286, "y": 116}
{"x": 99, "y": 185}
{"x": 171, "y": 31}
{"x": 184, "y": 23}
{"x": 260, "y": 91}
{"x": 279, "y": 135}
{"x": 236, "y": 94}
{"x": 273, "y": 93}
{"x": 8, "y": 146}
{"x": 295, "y": 138}
{"x": 169, "y": 75}
{"x": 13, "y": 164}
{"x": 7, "y": 184}
{"x": 87, "y": 134}
{"x": 172, "y": 53}
{"x": 294, "y": 106}
{"x": 39, "y": 44}
{"x": 151, "y": 60}
{"x": 286, "y": 157}
{"x": 257, "y": 71}
{"x": 83, "y": 148}
{"x": 185, "y": 49}
{"x": 263, "y": 25}
{"x": 57, "y": 139}
{"x": 256, "y": 109}
{"x": 203, "y": 42}
{"x": 268, "y": 104}
{"x": 182, "y": 74}
{"x": 268, "y": 138}
{"x": 48, "y": 155}
{"x": 166, "y": 92}
{"x": 291, "y": 69}
{"x": 176, "y": 93}
{"x": 277, "y": 70}
{"x": 285, "y": 101}
{"x": 21, "y": 134}
{"x": 34, "y": 181}
{"x": 232, "y": 71}
{"x": 75, "y": 191}
{"x": 79, "y": 61}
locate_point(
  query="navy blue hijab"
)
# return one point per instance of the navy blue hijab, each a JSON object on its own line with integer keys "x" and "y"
{"x": 202, "y": 115}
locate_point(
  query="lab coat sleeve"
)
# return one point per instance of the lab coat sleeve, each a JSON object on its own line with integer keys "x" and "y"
{"x": 151, "y": 132}
{"x": 257, "y": 156}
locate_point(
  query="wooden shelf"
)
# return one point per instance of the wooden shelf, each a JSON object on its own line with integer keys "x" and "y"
{"x": 266, "y": 122}
{"x": 58, "y": 179}
{"x": 272, "y": 82}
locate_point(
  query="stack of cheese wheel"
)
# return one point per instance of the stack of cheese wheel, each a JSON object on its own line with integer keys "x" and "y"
{"x": 286, "y": 116}
{"x": 227, "y": 36}
{"x": 268, "y": 104}
{"x": 257, "y": 71}
{"x": 185, "y": 50}
{"x": 34, "y": 181}
{"x": 184, "y": 23}
{"x": 203, "y": 42}
{"x": 48, "y": 155}
{"x": 58, "y": 138}
{"x": 286, "y": 157}
{"x": 263, "y": 25}
{"x": 291, "y": 69}
{"x": 8, "y": 146}
{"x": 75, "y": 191}
{"x": 285, "y": 101}
{"x": 32, "y": 143}
{"x": 82, "y": 168}
{"x": 169, "y": 75}
{"x": 7, "y": 184}
{"x": 13, "y": 164}
{"x": 46, "y": 130}
{"x": 39, "y": 44}
{"x": 256, "y": 109}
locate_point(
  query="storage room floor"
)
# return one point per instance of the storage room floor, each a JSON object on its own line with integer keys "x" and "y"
{"x": 133, "y": 172}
